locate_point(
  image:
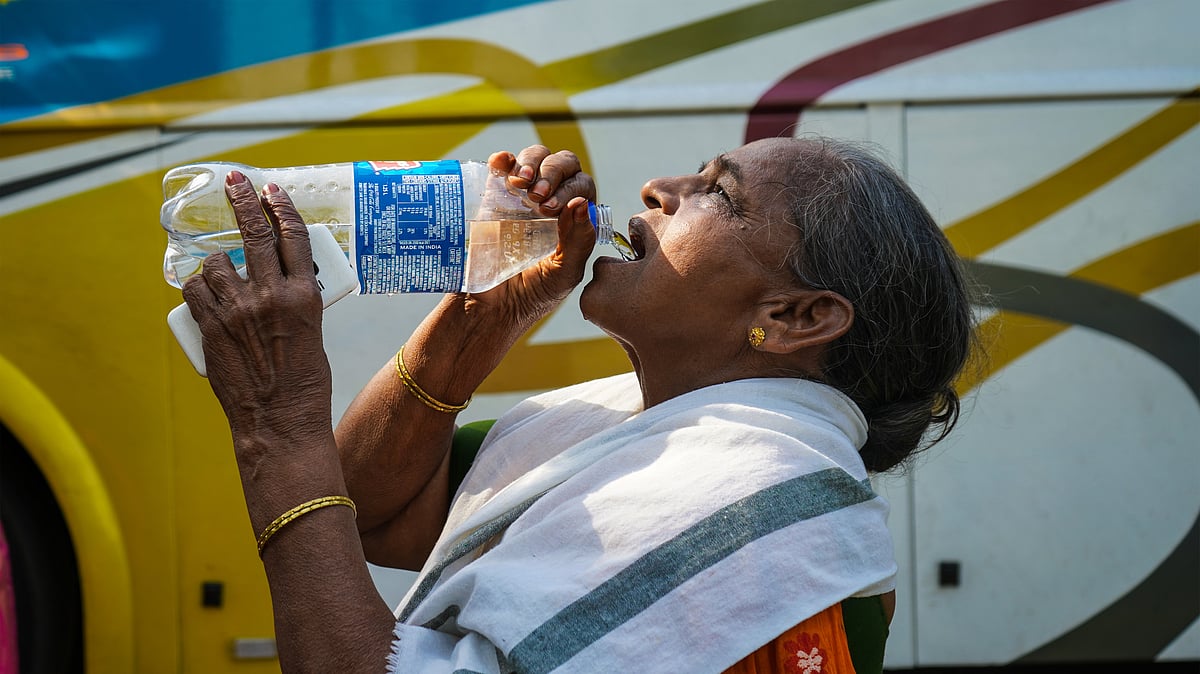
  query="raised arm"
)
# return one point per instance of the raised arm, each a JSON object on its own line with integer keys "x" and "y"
{"x": 394, "y": 446}
{"x": 267, "y": 367}
{"x": 266, "y": 364}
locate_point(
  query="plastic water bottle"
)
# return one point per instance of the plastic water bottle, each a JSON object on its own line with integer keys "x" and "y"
{"x": 407, "y": 226}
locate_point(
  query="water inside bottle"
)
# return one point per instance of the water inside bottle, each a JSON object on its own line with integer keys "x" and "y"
{"x": 500, "y": 249}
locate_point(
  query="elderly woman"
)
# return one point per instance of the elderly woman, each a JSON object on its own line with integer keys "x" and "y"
{"x": 795, "y": 320}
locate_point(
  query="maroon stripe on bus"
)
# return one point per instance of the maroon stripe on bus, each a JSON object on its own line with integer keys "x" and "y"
{"x": 778, "y": 110}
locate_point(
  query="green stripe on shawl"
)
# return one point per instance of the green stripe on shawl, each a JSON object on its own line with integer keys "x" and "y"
{"x": 704, "y": 544}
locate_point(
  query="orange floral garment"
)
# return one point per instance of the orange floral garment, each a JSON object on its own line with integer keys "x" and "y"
{"x": 815, "y": 646}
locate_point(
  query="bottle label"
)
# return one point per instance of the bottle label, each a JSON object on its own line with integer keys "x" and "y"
{"x": 410, "y": 229}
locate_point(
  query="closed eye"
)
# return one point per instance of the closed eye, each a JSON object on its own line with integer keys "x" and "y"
{"x": 724, "y": 199}
{"x": 725, "y": 169}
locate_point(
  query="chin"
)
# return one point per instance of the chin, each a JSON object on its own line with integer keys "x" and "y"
{"x": 607, "y": 299}
{"x": 600, "y": 302}
{"x": 588, "y": 300}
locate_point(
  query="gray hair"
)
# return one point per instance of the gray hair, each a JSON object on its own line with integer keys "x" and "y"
{"x": 866, "y": 236}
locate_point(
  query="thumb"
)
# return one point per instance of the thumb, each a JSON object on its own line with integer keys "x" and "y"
{"x": 576, "y": 237}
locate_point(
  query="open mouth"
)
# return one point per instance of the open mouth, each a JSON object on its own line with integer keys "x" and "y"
{"x": 634, "y": 247}
{"x": 623, "y": 246}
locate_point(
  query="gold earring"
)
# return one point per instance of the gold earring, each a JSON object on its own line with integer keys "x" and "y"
{"x": 757, "y": 335}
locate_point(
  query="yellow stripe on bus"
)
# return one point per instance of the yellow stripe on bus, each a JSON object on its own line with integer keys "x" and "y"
{"x": 537, "y": 89}
{"x": 993, "y": 226}
{"x": 67, "y": 463}
{"x": 618, "y": 62}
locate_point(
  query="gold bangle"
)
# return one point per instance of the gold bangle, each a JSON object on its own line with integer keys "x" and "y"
{"x": 419, "y": 393}
{"x": 300, "y": 510}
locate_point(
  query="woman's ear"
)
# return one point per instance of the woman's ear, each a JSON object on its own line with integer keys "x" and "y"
{"x": 803, "y": 319}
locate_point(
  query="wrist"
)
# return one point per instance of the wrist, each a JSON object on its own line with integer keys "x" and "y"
{"x": 457, "y": 347}
{"x": 296, "y": 512}
{"x": 280, "y": 471}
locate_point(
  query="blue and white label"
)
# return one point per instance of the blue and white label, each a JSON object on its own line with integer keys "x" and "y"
{"x": 410, "y": 229}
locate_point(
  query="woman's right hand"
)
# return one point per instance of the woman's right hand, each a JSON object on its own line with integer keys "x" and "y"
{"x": 557, "y": 183}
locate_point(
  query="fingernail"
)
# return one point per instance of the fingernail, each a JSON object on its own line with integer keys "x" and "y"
{"x": 526, "y": 172}
{"x": 541, "y": 189}
{"x": 270, "y": 188}
{"x": 235, "y": 177}
{"x": 550, "y": 203}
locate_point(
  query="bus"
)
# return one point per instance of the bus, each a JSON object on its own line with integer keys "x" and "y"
{"x": 1057, "y": 142}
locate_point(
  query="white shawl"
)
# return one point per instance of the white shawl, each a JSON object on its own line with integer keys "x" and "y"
{"x": 592, "y": 536}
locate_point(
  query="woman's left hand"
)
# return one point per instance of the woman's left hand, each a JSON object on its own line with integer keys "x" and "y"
{"x": 262, "y": 334}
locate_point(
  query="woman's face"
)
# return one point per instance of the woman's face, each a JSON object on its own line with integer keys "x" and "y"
{"x": 713, "y": 246}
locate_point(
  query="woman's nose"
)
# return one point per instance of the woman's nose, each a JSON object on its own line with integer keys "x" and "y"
{"x": 661, "y": 193}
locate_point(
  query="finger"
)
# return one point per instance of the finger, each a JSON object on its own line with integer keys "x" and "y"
{"x": 199, "y": 297}
{"x": 528, "y": 172}
{"x": 295, "y": 251}
{"x": 576, "y": 236}
{"x": 202, "y": 304}
{"x": 503, "y": 162}
{"x": 578, "y": 185}
{"x": 220, "y": 277}
{"x": 554, "y": 170}
{"x": 262, "y": 260}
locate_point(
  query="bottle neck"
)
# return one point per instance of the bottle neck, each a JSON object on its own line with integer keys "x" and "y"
{"x": 601, "y": 217}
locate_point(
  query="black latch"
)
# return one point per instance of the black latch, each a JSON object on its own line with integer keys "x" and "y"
{"x": 212, "y": 594}
{"x": 949, "y": 574}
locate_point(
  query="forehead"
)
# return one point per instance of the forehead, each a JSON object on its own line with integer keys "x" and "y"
{"x": 772, "y": 158}
{"x": 761, "y": 171}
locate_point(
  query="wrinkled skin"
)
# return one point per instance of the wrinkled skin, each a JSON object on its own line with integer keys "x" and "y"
{"x": 710, "y": 271}
{"x": 268, "y": 369}
{"x": 712, "y": 264}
